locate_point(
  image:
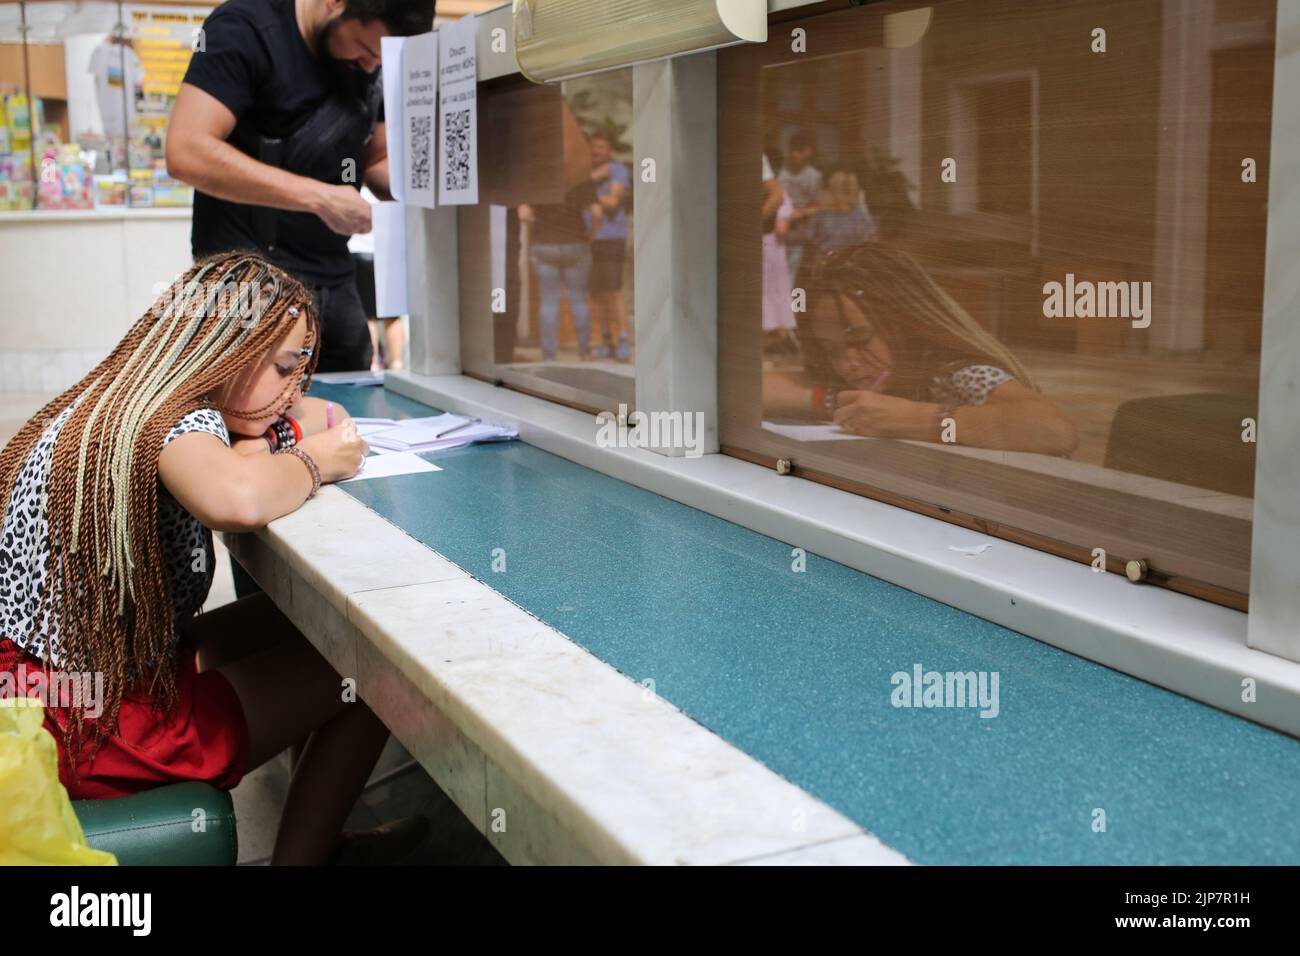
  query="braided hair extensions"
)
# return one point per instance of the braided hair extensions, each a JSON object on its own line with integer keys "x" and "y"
{"x": 107, "y": 600}
{"x": 924, "y": 325}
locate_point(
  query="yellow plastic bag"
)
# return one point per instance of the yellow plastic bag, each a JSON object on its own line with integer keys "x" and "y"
{"x": 37, "y": 823}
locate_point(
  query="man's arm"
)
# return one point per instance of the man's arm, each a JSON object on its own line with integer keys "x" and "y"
{"x": 376, "y": 165}
{"x": 611, "y": 200}
{"x": 198, "y": 154}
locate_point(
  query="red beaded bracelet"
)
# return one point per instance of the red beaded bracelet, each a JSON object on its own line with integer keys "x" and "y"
{"x": 823, "y": 401}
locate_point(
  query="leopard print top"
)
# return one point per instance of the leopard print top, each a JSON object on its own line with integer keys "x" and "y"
{"x": 25, "y": 544}
{"x": 968, "y": 385}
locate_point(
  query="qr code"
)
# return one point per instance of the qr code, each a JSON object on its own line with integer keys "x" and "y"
{"x": 455, "y": 159}
{"x": 421, "y": 128}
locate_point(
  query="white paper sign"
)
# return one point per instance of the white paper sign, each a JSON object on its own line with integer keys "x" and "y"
{"x": 390, "y": 55}
{"x": 458, "y": 97}
{"x": 388, "y": 221}
{"x": 419, "y": 120}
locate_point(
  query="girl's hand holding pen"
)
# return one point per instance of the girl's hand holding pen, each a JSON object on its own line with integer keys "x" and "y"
{"x": 876, "y": 414}
{"x": 338, "y": 451}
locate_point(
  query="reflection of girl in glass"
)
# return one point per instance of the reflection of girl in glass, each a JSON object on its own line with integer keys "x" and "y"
{"x": 888, "y": 353}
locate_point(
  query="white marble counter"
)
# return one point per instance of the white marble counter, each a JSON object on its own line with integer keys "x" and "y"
{"x": 554, "y": 755}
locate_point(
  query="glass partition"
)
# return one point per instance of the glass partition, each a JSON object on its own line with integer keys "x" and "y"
{"x": 1001, "y": 262}
{"x": 546, "y": 287}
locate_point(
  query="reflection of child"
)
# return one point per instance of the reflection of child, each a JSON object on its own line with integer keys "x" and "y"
{"x": 842, "y": 220}
{"x": 888, "y": 353}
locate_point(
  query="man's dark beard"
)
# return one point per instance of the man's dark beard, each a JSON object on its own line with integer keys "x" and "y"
{"x": 343, "y": 74}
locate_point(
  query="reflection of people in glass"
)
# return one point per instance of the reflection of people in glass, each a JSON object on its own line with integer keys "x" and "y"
{"x": 842, "y": 219}
{"x": 559, "y": 252}
{"x": 119, "y": 76}
{"x": 607, "y": 248}
{"x": 778, "y": 319}
{"x": 802, "y": 183}
{"x": 888, "y": 353}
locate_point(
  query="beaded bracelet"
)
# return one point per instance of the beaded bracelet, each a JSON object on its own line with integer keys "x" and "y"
{"x": 823, "y": 401}
{"x": 306, "y": 460}
{"x": 285, "y": 434}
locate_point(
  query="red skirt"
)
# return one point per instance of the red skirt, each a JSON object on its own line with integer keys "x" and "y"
{"x": 204, "y": 738}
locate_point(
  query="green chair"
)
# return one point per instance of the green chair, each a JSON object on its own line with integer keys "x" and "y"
{"x": 182, "y": 824}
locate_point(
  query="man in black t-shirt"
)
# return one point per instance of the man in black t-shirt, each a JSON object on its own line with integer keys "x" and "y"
{"x": 277, "y": 124}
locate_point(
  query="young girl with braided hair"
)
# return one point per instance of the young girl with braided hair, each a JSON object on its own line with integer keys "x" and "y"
{"x": 195, "y": 422}
{"x": 888, "y": 353}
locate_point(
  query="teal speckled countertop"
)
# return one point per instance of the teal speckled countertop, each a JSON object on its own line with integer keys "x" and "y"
{"x": 796, "y": 669}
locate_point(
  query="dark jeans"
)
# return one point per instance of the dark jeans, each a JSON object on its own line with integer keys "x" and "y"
{"x": 345, "y": 347}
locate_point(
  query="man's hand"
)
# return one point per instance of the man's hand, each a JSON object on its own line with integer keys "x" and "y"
{"x": 342, "y": 209}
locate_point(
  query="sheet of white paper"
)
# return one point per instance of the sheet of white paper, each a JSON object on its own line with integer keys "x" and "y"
{"x": 416, "y": 431}
{"x": 389, "y": 224}
{"x": 420, "y": 119}
{"x": 437, "y": 433}
{"x": 366, "y": 429}
{"x": 388, "y": 466}
{"x": 458, "y": 126}
{"x": 811, "y": 432}
{"x": 349, "y": 378}
{"x": 390, "y": 55}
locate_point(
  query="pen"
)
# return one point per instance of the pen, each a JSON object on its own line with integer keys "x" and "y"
{"x": 458, "y": 427}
